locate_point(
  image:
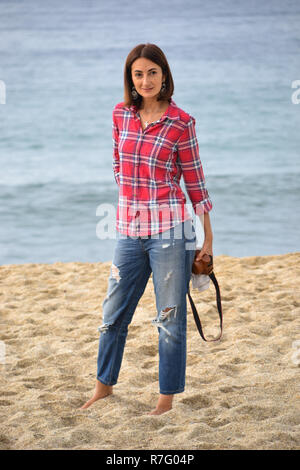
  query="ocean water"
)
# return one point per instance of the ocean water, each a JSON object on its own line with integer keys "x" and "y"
{"x": 233, "y": 65}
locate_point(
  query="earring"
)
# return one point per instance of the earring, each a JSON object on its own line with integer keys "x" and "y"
{"x": 163, "y": 87}
{"x": 134, "y": 93}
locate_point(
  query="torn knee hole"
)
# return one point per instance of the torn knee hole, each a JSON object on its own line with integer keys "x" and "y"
{"x": 166, "y": 312}
{"x": 164, "y": 315}
{"x": 115, "y": 272}
{"x": 168, "y": 275}
{"x": 161, "y": 322}
{"x": 165, "y": 245}
{"x": 103, "y": 328}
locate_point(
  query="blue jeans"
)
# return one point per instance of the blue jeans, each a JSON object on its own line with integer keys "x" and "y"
{"x": 169, "y": 256}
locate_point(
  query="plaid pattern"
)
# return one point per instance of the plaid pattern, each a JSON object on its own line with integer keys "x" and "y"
{"x": 148, "y": 166}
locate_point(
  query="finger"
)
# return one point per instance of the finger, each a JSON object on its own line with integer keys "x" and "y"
{"x": 199, "y": 256}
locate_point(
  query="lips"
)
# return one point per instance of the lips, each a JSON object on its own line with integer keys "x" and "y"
{"x": 147, "y": 89}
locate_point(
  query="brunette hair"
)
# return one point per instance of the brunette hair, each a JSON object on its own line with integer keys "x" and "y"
{"x": 156, "y": 55}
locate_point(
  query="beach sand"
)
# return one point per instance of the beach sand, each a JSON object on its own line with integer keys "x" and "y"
{"x": 241, "y": 392}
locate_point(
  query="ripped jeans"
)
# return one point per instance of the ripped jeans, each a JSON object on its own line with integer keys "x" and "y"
{"x": 169, "y": 256}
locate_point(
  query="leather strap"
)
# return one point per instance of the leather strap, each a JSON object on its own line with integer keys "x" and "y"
{"x": 219, "y": 305}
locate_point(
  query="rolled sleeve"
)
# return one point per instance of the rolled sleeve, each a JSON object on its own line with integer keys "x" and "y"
{"x": 192, "y": 171}
{"x": 116, "y": 157}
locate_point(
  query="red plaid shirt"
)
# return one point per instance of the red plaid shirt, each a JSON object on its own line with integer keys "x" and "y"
{"x": 148, "y": 166}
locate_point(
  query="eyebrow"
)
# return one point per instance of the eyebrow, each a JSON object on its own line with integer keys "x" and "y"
{"x": 153, "y": 68}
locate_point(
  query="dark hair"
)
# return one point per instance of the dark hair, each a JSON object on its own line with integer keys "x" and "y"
{"x": 156, "y": 55}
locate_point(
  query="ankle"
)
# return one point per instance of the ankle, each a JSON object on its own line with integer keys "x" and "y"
{"x": 103, "y": 388}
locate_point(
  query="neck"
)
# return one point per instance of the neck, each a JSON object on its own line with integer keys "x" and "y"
{"x": 151, "y": 105}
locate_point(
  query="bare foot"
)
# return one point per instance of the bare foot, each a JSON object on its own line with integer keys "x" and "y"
{"x": 164, "y": 404}
{"x": 101, "y": 391}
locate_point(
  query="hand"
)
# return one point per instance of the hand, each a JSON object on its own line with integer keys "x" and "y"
{"x": 205, "y": 251}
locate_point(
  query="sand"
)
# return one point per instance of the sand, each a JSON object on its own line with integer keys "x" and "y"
{"x": 241, "y": 392}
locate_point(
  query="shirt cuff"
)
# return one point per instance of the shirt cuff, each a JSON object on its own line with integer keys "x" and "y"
{"x": 203, "y": 206}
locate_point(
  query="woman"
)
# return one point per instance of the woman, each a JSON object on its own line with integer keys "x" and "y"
{"x": 154, "y": 143}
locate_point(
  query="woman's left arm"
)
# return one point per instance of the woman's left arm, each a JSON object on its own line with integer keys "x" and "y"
{"x": 116, "y": 157}
{"x": 208, "y": 239}
{"x": 188, "y": 152}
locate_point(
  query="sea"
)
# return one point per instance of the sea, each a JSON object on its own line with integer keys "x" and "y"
{"x": 236, "y": 70}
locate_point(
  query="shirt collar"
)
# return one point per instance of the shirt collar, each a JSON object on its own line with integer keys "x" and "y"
{"x": 172, "y": 112}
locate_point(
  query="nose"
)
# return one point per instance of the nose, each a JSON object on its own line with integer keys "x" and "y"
{"x": 146, "y": 82}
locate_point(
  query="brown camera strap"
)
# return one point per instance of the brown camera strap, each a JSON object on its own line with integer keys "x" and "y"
{"x": 219, "y": 305}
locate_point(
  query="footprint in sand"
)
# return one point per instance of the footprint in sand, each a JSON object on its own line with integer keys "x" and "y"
{"x": 232, "y": 388}
{"x": 147, "y": 350}
{"x": 24, "y": 363}
{"x": 5, "y": 403}
{"x": 8, "y": 394}
{"x": 197, "y": 401}
{"x": 230, "y": 369}
{"x": 258, "y": 413}
{"x": 149, "y": 364}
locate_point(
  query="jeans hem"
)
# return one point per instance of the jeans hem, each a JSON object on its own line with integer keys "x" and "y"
{"x": 172, "y": 393}
{"x": 105, "y": 383}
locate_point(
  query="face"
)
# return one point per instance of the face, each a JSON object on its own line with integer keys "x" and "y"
{"x": 147, "y": 77}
